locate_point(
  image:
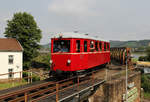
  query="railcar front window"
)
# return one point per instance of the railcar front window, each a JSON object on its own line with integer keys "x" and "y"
{"x": 61, "y": 46}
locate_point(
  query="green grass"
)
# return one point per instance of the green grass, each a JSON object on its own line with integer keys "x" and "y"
{"x": 146, "y": 95}
{"x": 11, "y": 84}
{"x": 134, "y": 60}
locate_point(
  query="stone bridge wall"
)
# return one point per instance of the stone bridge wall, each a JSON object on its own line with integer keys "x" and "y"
{"x": 112, "y": 91}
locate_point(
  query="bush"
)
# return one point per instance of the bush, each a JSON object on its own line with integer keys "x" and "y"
{"x": 34, "y": 77}
{"x": 143, "y": 58}
{"x": 41, "y": 61}
{"x": 145, "y": 81}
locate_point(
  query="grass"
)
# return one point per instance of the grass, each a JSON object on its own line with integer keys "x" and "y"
{"x": 134, "y": 60}
{"x": 146, "y": 95}
{"x": 11, "y": 84}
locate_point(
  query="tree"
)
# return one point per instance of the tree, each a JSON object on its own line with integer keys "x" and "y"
{"x": 24, "y": 28}
{"x": 148, "y": 53}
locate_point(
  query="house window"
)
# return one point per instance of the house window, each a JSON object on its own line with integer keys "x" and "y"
{"x": 10, "y": 71}
{"x": 10, "y": 59}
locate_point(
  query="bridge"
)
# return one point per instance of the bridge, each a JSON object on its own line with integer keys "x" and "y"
{"x": 107, "y": 82}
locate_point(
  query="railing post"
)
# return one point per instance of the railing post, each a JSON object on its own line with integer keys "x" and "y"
{"x": 25, "y": 97}
{"x": 20, "y": 78}
{"x": 28, "y": 76}
{"x": 31, "y": 75}
{"x": 106, "y": 76}
{"x": 13, "y": 79}
{"x": 93, "y": 77}
{"x": 57, "y": 89}
{"x": 78, "y": 79}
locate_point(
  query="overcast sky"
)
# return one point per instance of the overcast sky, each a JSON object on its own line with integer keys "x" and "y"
{"x": 108, "y": 19}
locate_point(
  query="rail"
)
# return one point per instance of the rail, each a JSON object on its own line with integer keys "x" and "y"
{"x": 19, "y": 76}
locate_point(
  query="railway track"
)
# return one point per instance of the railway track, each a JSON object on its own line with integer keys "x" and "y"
{"x": 32, "y": 91}
{"x": 40, "y": 89}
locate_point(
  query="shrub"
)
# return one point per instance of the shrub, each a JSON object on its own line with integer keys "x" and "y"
{"x": 34, "y": 77}
{"x": 145, "y": 81}
{"x": 143, "y": 58}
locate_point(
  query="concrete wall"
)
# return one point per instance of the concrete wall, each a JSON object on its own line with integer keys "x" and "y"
{"x": 112, "y": 91}
{"x": 4, "y": 65}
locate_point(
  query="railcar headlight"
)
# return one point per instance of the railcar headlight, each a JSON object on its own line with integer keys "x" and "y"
{"x": 69, "y": 61}
{"x": 51, "y": 61}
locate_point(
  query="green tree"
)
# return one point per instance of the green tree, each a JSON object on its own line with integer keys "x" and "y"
{"x": 148, "y": 53}
{"x": 24, "y": 28}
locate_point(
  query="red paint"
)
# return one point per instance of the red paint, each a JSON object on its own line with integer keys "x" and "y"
{"x": 79, "y": 60}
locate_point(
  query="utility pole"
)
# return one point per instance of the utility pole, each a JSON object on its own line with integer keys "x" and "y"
{"x": 127, "y": 79}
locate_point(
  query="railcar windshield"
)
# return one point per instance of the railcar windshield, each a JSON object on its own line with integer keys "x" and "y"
{"x": 61, "y": 46}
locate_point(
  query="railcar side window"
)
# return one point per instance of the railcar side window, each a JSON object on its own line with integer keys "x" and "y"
{"x": 100, "y": 46}
{"x": 78, "y": 46}
{"x": 107, "y": 47}
{"x": 91, "y": 46}
{"x": 61, "y": 46}
{"x": 85, "y": 46}
{"x": 96, "y": 46}
{"x": 104, "y": 46}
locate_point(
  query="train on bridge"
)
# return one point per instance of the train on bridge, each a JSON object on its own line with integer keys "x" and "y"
{"x": 75, "y": 54}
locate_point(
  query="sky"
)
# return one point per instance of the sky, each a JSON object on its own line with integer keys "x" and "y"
{"x": 108, "y": 19}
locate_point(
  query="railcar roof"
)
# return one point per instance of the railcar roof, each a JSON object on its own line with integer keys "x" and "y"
{"x": 76, "y": 35}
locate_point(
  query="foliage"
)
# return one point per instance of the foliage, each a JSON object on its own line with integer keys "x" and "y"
{"x": 145, "y": 80}
{"x": 11, "y": 84}
{"x": 146, "y": 95}
{"x": 148, "y": 53}
{"x": 24, "y": 28}
{"x": 41, "y": 61}
{"x": 34, "y": 77}
{"x": 132, "y": 44}
{"x": 143, "y": 58}
{"x": 134, "y": 60}
{"x": 46, "y": 46}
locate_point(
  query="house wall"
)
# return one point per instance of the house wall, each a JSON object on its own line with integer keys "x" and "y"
{"x": 4, "y": 63}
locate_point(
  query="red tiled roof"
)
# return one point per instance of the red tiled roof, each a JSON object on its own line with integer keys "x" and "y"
{"x": 10, "y": 44}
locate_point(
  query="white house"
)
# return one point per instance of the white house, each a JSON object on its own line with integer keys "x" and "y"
{"x": 11, "y": 58}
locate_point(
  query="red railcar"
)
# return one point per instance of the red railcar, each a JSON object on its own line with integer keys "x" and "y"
{"x": 72, "y": 52}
